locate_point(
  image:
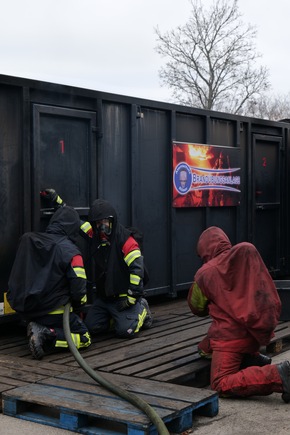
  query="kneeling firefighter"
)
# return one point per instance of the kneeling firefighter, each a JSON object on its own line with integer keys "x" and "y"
{"x": 119, "y": 271}
{"x": 48, "y": 272}
{"x": 120, "y": 275}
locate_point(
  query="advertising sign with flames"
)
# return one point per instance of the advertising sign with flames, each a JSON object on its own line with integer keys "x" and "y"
{"x": 205, "y": 175}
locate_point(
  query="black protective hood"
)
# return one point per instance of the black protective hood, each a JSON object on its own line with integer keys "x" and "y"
{"x": 102, "y": 209}
{"x": 111, "y": 271}
{"x": 66, "y": 222}
{"x": 38, "y": 281}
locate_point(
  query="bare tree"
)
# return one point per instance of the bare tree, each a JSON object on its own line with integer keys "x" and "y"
{"x": 273, "y": 107}
{"x": 211, "y": 60}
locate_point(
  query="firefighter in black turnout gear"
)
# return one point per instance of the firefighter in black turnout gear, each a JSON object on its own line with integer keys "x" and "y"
{"x": 47, "y": 273}
{"x": 119, "y": 275}
{"x": 118, "y": 293}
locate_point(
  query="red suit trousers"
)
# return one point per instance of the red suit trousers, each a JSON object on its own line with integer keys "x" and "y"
{"x": 229, "y": 380}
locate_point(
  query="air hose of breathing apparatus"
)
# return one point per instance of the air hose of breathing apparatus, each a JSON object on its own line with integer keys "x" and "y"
{"x": 130, "y": 397}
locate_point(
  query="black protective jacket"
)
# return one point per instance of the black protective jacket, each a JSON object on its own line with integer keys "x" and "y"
{"x": 112, "y": 274}
{"x": 42, "y": 277}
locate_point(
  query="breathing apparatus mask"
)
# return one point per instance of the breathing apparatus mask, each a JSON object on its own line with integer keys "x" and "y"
{"x": 104, "y": 230}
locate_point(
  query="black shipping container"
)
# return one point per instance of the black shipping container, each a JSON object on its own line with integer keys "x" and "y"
{"x": 88, "y": 144}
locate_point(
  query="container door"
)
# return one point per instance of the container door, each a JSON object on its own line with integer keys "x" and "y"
{"x": 64, "y": 156}
{"x": 267, "y": 199}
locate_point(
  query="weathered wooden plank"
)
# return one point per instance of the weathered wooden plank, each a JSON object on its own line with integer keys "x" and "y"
{"x": 167, "y": 352}
{"x": 10, "y": 382}
{"x": 187, "y": 373}
{"x": 157, "y": 344}
{"x": 144, "y": 386}
{"x": 82, "y": 399}
{"x": 29, "y": 365}
{"x": 96, "y": 389}
{"x": 23, "y": 375}
{"x": 157, "y": 331}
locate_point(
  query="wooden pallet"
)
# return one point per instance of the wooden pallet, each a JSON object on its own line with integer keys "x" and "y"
{"x": 167, "y": 352}
{"x": 166, "y": 355}
{"x": 16, "y": 372}
{"x": 73, "y": 401}
{"x": 281, "y": 341}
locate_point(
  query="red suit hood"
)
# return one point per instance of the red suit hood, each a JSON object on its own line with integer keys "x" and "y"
{"x": 243, "y": 297}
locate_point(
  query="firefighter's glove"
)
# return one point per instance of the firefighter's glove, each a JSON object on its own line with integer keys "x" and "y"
{"x": 125, "y": 301}
{"x": 51, "y": 196}
{"x": 78, "y": 305}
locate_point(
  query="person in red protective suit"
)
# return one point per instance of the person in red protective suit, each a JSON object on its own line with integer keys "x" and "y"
{"x": 235, "y": 288}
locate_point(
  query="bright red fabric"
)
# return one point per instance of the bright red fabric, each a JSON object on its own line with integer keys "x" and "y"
{"x": 244, "y": 302}
{"x": 77, "y": 261}
{"x": 130, "y": 245}
{"x": 228, "y": 379}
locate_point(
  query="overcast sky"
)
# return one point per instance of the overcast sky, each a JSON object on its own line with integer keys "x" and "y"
{"x": 108, "y": 45}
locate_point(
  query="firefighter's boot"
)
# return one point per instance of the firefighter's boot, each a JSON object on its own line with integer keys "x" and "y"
{"x": 40, "y": 339}
{"x": 148, "y": 319}
{"x": 284, "y": 372}
{"x": 256, "y": 359}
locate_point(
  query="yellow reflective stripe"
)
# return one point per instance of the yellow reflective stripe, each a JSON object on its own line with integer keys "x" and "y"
{"x": 132, "y": 256}
{"x": 60, "y": 343}
{"x": 88, "y": 342}
{"x": 59, "y": 311}
{"x": 84, "y": 299}
{"x": 75, "y": 338}
{"x": 123, "y": 295}
{"x": 86, "y": 227}
{"x": 141, "y": 320}
{"x": 131, "y": 300}
{"x": 197, "y": 299}
{"x": 59, "y": 200}
{"x": 135, "y": 279}
{"x": 77, "y": 341}
{"x": 80, "y": 272}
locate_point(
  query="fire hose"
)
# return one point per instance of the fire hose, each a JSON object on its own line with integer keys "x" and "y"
{"x": 130, "y": 397}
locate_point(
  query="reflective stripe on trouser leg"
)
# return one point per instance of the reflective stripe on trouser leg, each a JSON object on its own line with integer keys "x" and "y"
{"x": 141, "y": 320}
{"x": 77, "y": 341}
